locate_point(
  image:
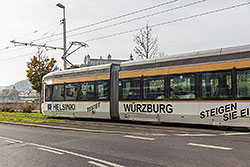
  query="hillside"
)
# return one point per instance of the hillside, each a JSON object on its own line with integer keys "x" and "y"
{"x": 23, "y": 85}
{"x": 19, "y": 86}
{"x": 20, "y": 91}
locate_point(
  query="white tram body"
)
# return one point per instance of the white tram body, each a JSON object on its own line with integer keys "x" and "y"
{"x": 207, "y": 87}
{"x": 88, "y": 106}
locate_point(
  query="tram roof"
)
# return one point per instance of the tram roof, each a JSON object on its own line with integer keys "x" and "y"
{"x": 100, "y": 69}
{"x": 205, "y": 56}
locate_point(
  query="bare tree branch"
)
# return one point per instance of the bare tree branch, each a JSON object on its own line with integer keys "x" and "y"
{"x": 147, "y": 46}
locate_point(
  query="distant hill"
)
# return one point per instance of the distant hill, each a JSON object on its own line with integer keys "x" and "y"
{"x": 20, "y": 91}
{"x": 19, "y": 86}
{"x": 23, "y": 85}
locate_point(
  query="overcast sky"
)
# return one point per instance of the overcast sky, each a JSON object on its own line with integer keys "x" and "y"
{"x": 28, "y": 20}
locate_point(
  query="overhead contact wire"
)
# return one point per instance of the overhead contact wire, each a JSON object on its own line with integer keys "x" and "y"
{"x": 115, "y": 18}
{"x": 138, "y": 18}
{"x": 171, "y": 21}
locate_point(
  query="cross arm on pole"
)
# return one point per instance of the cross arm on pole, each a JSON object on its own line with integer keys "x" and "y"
{"x": 32, "y": 44}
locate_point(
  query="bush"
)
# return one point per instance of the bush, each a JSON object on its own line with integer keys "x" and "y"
{"x": 6, "y": 109}
{"x": 28, "y": 108}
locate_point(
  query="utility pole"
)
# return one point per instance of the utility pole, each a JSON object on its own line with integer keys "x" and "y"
{"x": 64, "y": 35}
{"x": 39, "y": 53}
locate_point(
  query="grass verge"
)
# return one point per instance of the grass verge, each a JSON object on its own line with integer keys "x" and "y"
{"x": 29, "y": 118}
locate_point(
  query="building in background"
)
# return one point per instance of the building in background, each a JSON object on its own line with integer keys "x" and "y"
{"x": 93, "y": 61}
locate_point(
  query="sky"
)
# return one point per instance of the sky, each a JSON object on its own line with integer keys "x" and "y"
{"x": 38, "y": 21}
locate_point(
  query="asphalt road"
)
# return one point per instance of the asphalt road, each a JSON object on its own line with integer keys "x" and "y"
{"x": 153, "y": 146}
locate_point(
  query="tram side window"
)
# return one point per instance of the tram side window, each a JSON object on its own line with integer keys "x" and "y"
{"x": 71, "y": 91}
{"x": 102, "y": 90}
{"x": 87, "y": 91}
{"x": 243, "y": 83}
{"x": 216, "y": 85}
{"x": 58, "y": 92}
{"x": 153, "y": 88}
{"x": 131, "y": 89}
{"x": 182, "y": 86}
{"x": 48, "y": 91}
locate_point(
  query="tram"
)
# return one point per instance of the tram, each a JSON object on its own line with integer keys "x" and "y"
{"x": 209, "y": 87}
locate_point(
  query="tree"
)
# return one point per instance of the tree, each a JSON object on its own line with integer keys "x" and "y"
{"x": 39, "y": 66}
{"x": 147, "y": 46}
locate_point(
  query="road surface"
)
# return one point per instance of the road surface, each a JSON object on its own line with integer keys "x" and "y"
{"x": 153, "y": 146}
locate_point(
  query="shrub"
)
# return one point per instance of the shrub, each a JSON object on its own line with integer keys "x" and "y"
{"x": 6, "y": 109}
{"x": 28, "y": 108}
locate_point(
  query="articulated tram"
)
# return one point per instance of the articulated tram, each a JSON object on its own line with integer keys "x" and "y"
{"x": 208, "y": 87}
